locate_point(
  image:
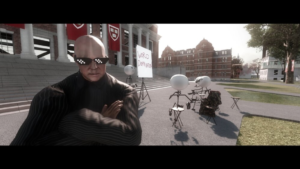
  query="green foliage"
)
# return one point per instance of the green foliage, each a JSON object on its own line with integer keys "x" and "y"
{"x": 281, "y": 40}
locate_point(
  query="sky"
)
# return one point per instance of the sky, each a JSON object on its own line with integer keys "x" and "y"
{"x": 222, "y": 36}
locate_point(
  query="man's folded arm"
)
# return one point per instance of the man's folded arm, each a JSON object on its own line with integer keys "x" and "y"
{"x": 88, "y": 125}
{"x": 46, "y": 110}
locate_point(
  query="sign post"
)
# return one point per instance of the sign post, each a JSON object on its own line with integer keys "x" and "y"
{"x": 144, "y": 66}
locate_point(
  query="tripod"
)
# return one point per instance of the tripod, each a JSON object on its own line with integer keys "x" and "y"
{"x": 196, "y": 99}
{"x": 130, "y": 81}
{"x": 177, "y": 108}
{"x": 143, "y": 87}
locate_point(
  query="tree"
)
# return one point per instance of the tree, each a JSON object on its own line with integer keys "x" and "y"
{"x": 255, "y": 66}
{"x": 282, "y": 41}
{"x": 237, "y": 66}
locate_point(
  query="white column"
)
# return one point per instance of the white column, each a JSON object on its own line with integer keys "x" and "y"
{"x": 120, "y": 52}
{"x": 130, "y": 44}
{"x": 62, "y": 43}
{"x": 147, "y": 40}
{"x": 105, "y": 42}
{"x": 140, "y": 36}
{"x": 27, "y": 43}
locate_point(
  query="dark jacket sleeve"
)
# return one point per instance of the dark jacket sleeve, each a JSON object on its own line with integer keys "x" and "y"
{"x": 88, "y": 125}
{"x": 46, "y": 110}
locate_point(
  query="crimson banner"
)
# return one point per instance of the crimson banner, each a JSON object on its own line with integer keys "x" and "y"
{"x": 114, "y": 34}
{"x": 293, "y": 63}
{"x": 74, "y": 30}
{"x": 17, "y": 25}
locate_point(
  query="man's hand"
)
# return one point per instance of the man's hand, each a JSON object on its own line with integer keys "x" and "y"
{"x": 113, "y": 109}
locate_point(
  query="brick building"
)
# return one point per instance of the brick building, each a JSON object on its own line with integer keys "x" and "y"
{"x": 200, "y": 61}
{"x": 49, "y": 41}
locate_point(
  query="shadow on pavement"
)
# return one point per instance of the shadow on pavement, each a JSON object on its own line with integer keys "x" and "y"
{"x": 195, "y": 140}
{"x": 223, "y": 128}
{"x": 244, "y": 112}
{"x": 223, "y": 114}
{"x": 142, "y": 103}
{"x": 181, "y": 136}
{"x": 141, "y": 112}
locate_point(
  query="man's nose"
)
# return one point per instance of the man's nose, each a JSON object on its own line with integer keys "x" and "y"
{"x": 94, "y": 65}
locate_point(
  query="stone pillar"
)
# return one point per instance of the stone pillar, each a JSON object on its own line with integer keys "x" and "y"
{"x": 105, "y": 41}
{"x": 62, "y": 43}
{"x": 27, "y": 43}
{"x": 147, "y": 40}
{"x": 120, "y": 52}
{"x": 140, "y": 36}
{"x": 130, "y": 44}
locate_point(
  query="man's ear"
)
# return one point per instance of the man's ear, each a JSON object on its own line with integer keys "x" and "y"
{"x": 74, "y": 58}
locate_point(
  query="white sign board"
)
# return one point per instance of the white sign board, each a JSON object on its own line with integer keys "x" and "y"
{"x": 144, "y": 62}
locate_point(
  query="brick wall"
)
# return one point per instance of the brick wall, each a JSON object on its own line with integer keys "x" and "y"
{"x": 47, "y": 27}
{"x": 153, "y": 28}
{"x": 96, "y": 30}
{"x": 207, "y": 67}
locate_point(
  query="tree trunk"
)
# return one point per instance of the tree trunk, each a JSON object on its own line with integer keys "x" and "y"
{"x": 289, "y": 73}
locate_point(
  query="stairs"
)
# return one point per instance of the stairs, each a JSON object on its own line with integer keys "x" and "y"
{"x": 21, "y": 79}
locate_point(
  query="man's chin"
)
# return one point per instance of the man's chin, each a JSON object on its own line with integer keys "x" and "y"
{"x": 93, "y": 78}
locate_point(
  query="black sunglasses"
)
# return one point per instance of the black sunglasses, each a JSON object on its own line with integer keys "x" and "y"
{"x": 87, "y": 61}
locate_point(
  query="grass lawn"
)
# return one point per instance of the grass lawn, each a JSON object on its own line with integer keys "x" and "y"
{"x": 257, "y": 130}
{"x": 264, "y": 86}
{"x": 265, "y": 97}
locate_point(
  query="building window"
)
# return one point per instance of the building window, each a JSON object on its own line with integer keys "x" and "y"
{"x": 274, "y": 78}
{"x": 225, "y": 59}
{"x": 216, "y": 66}
{"x": 126, "y": 37}
{"x": 91, "y": 29}
{"x": 216, "y": 53}
{"x": 206, "y": 59}
{"x": 100, "y": 30}
{"x": 6, "y": 43}
{"x": 151, "y": 45}
{"x": 135, "y": 40}
{"x": 275, "y": 72}
{"x": 225, "y": 52}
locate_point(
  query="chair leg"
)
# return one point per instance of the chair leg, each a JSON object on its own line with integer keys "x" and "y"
{"x": 208, "y": 119}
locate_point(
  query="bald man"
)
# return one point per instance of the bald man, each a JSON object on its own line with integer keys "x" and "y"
{"x": 89, "y": 107}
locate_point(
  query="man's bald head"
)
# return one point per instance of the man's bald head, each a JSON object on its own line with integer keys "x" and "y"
{"x": 90, "y": 47}
{"x": 89, "y": 44}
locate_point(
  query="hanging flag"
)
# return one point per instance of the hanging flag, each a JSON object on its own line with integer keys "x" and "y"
{"x": 114, "y": 36}
{"x": 293, "y": 62}
{"x": 76, "y": 30}
{"x": 17, "y": 25}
